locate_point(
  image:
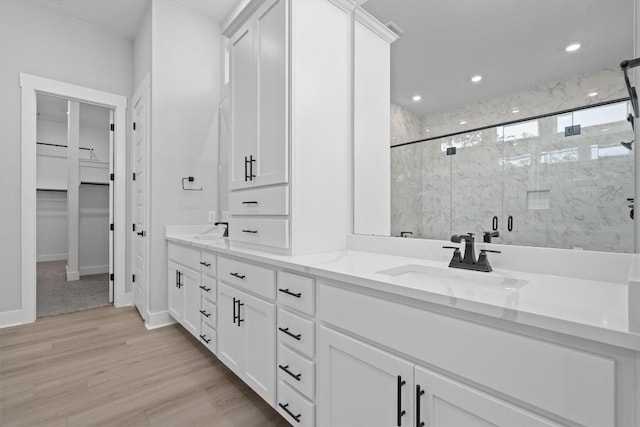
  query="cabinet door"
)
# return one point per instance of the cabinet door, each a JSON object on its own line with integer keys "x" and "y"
{"x": 360, "y": 385}
{"x": 270, "y": 53}
{"x": 243, "y": 105}
{"x": 229, "y": 333}
{"x": 176, "y": 292}
{"x": 258, "y": 320}
{"x": 192, "y": 297}
{"x": 447, "y": 403}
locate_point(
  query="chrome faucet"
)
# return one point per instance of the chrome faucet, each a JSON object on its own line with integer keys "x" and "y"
{"x": 469, "y": 262}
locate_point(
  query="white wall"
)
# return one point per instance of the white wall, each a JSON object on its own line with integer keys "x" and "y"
{"x": 93, "y": 238}
{"x": 142, "y": 50}
{"x": 185, "y": 93}
{"x": 51, "y": 225}
{"x": 54, "y": 47}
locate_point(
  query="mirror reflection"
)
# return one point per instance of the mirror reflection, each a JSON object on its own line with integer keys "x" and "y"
{"x": 514, "y": 124}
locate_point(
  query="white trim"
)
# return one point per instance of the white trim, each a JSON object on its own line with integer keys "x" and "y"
{"x": 11, "y": 318}
{"x": 239, "y": 16}
{"x": 376, "y": 27}
{"x": 158, "y": 320}
{"x": 94, "y": 269}
{"x": 51, "y": 257}
{"x": 31, "y": 85}
{"x": 72, "y": 275}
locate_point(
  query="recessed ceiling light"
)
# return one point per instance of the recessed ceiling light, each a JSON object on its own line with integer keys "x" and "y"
{"x": 427, "y": 130}
{"x": 573, "y": 47}
{"x": 476, "y": 79}
{"x": 605, "y": 130}
{"x": 463, "y": 122}
{"x": 593, "y": 93}
{"x": 416, "y": 98}
{"x": 515, "y": 110}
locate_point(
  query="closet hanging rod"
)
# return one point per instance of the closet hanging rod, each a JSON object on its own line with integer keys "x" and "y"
{"x": 52, "y": 189}
{"x": 59, "y": 145}
{"x": 93, "y": 183}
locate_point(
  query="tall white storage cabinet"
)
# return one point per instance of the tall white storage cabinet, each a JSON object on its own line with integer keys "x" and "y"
{"x": 290, "y": 65}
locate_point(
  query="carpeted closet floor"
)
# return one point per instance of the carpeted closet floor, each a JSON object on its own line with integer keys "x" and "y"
{"x": 57, "y": 296}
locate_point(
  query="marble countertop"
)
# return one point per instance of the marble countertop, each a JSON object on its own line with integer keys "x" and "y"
{"x": 590, "y": 309}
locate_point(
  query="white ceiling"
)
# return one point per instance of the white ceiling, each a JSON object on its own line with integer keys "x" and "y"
{"x": 513, "y": 44}
{"x": 54, "y": 109}
{"x": 123, "y": 17}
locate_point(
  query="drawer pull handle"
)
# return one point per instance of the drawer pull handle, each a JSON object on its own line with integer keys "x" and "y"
{"x": 285, "y": 408}
{"x": 205, "y": 314}
{"x": 206, "y": 264}
{"x": 204, "y": 338}
{"x": 286, "y": 331}
{"x": 250, "y": 231}
{"x": 204, "y": 288}
{"x": 401, "y": 412}
{"x": 249, "y": 203}
{"x": 286, "y": 369}
{"x": 419, "y": 393}
{"x": 288, "y": 292}
{"x": 239, "y": 276}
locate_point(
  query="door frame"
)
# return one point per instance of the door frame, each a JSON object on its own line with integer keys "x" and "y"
{"x": 143, "y": 90}
{"x": 31, "y": 86}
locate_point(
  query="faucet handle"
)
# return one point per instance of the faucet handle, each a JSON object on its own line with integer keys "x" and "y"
{"x": 450, "y": 247}
{"x": 490, "y": 250}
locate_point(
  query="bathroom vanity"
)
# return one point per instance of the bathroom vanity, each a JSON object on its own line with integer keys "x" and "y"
{"x": 361, "y": 338}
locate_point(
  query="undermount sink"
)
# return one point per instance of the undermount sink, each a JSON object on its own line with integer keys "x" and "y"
{"x": 418, "y": 273}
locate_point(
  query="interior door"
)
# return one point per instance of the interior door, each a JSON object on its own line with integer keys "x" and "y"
{"x": 140, "y": 138}
{"x": 361, "y": 385}
{"x": 111, "y": 219}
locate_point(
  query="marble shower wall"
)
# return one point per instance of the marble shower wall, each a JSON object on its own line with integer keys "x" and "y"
{"x": 561, "y": 191}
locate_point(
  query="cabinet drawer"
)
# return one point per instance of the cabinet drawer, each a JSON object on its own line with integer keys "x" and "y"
{"x": 208, "y": 263}
{"x": 293, "y": 407}
{"x": 186, "y": 256}
{"x": 573, "y": 384}
{"x": 297, "y": 371}
{"x": 258, "y": 280}
{"x": 208, "y": 288}
{"x": 296, "y": 332}
{"x": 208, "y": 337}
{"x": 209, "y": 313}
{"x": 265, "y": 232}
{"x": 265, "y": 201}
{"x": 296, "y": 292}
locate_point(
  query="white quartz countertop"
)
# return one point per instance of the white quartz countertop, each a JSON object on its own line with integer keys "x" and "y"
{"x": 590, "y": 309}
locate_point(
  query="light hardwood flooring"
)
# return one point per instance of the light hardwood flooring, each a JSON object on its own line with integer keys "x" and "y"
{"x": 101, "y": 367}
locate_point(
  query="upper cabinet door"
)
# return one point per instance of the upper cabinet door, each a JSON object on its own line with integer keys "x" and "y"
{"x": 272, "y": 147}
{"x": 243, "y": 106}
{"x": 259, "y": 91}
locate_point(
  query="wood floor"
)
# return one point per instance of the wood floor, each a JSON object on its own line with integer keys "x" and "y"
{"x": 101, "y": 367}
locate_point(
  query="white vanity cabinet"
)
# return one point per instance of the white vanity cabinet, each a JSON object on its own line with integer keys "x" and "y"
{"x": 246, "y": 324}
{"x": 291, "y": 127}
{"x": 192, "y": 292}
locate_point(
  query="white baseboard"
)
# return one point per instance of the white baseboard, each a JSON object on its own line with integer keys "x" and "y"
{"x": 12, "y": 318}
{"x": 51, "y": 257}
{"x": 94, "y": 269}
{"x": 127, "y": 301}
{"x": 158, "y": 320}
{"x": 72, "y": 275}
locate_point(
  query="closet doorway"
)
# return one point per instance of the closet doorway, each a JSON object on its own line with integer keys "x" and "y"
{"x": 31, "y": 87}
{"x": 74, "y": 206}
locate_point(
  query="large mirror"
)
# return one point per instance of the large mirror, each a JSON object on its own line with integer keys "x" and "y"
{"x": 509, "y": 117}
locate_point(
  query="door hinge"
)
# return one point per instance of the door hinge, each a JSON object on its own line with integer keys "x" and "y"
{"x": 134, "y": 125}
{"x": 111, "y": 277}
{"x": 111, "y": 227}
{"x": 134, "y": 278}
{"x": 134, "y": 176}
{"x": 113, "y": 127}
{"x": 112, "y": 177}
{"x": 134, "y": 227}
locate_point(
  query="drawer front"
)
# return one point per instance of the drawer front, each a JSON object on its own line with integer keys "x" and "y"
{"x": 259, "y": 280}
{"x": 295, "y": 408}
{"x": 186, "y": 256}
{"x": 208, "y": 337}
{"x": 574, "y": 384}
{"x": 208, "y": 263}
{"x": 208, "y": 287}
{"x": 296, "y": 292}
{"x": 264, "y": 232}
{"x": 297, "y": 371}
{"x": 296, "y": 332}
{"x": 265, "y": 201}
{"x": 209, "y": 313}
